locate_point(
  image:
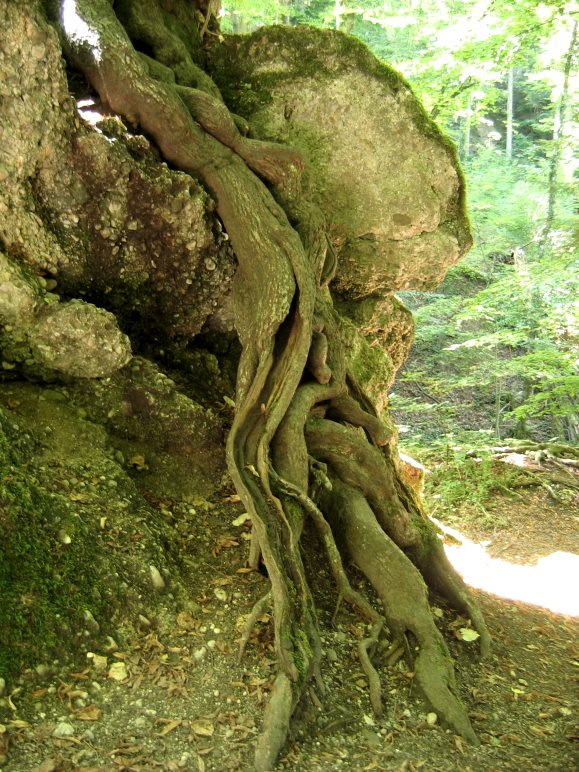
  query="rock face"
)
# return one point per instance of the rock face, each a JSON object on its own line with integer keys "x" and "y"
{"x": 385, "y": 177}
{"x": 88, "y": 204}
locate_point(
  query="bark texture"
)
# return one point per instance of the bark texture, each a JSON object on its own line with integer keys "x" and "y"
{"x": 305, "y": 220}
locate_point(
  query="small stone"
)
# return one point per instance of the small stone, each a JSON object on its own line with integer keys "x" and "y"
{"x": 63, "y": 729}
{"x": 431, "y": 719}
{"x": 185, "y": 761}
{"x": 211, "y": 644}
{"x": 2, "y": 686}
{"x": 200, "y": 654}
{"x": 90, "y": 621}
{"x": 118, "y": 671}
{"x": 220, "y": 594}
{"x": 110, "y": 645}
{"x": 140, "y": 723}
{"x": 332, "y": 655}
{"x": 156, "y": 579}
{"x": 99, "y": 662}
{"x": 144, "y": 622}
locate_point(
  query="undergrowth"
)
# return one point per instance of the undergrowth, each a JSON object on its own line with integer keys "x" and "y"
{"x": 462, "y": 481}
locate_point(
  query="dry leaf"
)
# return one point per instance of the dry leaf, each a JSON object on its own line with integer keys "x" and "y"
{"x": 170, "y": 725}
{"x": 90, "y": 713}
{"x": 186, "y": 622}
{"x": 17, "y": 723}
{"x": 202, "y": 727}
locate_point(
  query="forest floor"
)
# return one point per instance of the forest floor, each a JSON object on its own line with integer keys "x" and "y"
{"x": 176, "y": 698}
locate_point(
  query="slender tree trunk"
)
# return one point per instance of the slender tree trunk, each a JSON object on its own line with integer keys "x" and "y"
{"x": 559, "y": 122}
{"x": 510, "y": 105}
{"x": 338, "y": 8}
{"x": 468, "y": 127}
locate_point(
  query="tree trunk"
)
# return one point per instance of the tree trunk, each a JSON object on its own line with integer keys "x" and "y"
{"x": 305, "y": 441}
{"x": 510, "y": 111}
{"x": 558, "y": 131}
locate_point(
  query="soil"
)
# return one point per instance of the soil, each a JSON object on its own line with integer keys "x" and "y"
{"x": 182, "y": 700}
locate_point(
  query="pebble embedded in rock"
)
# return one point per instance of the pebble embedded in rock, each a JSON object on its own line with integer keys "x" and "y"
{"x": 90, "y": 621}
{"x": 156, "y": 579}
{"x": 63, "y": 729}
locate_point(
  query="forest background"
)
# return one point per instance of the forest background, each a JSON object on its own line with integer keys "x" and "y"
{"x": 495, "y": 354}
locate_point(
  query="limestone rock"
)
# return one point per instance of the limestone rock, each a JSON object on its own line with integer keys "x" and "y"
{"x": 80, "y": 340}
{"x": 86, "y": 202}
{"x": 386, "y": 178}
{"x": 176, "y": 445}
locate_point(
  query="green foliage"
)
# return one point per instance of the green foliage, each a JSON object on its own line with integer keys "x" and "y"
{"x": 460, "y": 483}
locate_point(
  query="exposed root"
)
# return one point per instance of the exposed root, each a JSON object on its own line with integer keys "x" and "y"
{"x": 289, "y": 332}
{"x": 442, "y": 576}
{"x": 258, "y": 610}
{"x": 276, "y": 721}
{"x": 404, "y": 597}
{"x": 346, "y": 591}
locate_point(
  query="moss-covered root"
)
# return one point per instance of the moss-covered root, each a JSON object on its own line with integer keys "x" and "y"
{"x": 404, "y": 597}
{"x": 276, "y": 722}
{"x": 442, "y": 577}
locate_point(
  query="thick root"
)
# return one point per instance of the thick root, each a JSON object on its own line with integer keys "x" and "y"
{"x": 276, "y": 722}
{"x": 404, "y": 597}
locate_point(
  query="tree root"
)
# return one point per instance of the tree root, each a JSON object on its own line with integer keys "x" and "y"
{"x": 290, "y": 334}
{"x": 346, "y": 591}
{"x": 276, "y": 721}
{"x": 258, "y": 610}
{"x": 404, "y": 597}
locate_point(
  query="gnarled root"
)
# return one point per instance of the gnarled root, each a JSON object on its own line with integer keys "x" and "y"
{"x": 404, "y": 597}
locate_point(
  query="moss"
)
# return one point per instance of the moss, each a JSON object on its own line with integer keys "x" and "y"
{"x": 43, "y": 581}
{"x": 303, "y": 654}
{"x": 240, "y": 69}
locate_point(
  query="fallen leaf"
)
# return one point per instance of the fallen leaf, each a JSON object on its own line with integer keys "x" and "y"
{"x": 467, "y": 634}
{"x": 170, "y": 725}
{"x": 90, "y": 713}
{"x": 241, "y": 519}
{"x": 186, "y": 622}
{"x": 202, "y": 727}
{"x": 17, "y": 723}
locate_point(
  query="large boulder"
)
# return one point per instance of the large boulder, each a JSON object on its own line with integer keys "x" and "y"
{"x": 386, "y": 178}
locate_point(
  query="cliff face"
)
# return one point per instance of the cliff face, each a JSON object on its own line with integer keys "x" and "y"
{"x": 106, "y": 253}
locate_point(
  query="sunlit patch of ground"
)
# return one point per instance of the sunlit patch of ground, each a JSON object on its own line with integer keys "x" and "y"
{"x": 551, "y": 581}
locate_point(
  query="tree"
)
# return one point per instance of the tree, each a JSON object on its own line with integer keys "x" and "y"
{"x": 306, "y": 441}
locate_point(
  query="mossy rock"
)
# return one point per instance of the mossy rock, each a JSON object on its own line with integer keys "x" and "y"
{"x": 380, "y": 169}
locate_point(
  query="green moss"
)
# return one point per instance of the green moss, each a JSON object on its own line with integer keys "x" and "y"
{"x": 240, "y": 69}
{"x": 43, "y": 581}
{"x": 303, "y": 654}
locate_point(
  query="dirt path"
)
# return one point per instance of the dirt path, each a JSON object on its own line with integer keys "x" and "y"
{"x": 175, "y": 698}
